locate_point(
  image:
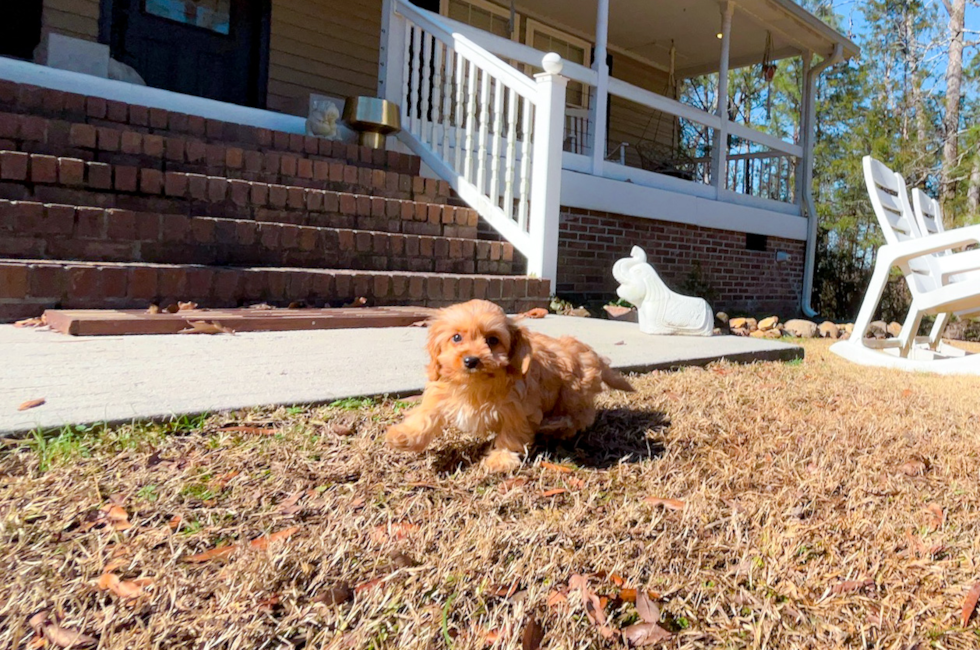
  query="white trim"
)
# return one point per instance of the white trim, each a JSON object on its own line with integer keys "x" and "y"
{"x": 120, "y": 91}
{"x": 606, "y": 195}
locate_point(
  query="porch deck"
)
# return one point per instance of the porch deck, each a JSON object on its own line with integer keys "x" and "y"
{"x": 120, "y": 379}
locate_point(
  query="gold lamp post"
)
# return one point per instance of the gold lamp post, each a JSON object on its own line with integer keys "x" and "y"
{"x": 372, "y": 118}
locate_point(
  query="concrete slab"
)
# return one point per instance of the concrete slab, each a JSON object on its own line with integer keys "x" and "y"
{"x": 119, "y": 379}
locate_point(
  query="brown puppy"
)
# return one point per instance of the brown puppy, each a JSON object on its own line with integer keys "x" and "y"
{"x": 489, "y": 376}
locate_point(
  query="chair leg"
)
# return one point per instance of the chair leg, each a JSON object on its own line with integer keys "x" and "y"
{"x": 938, "y": 328}
{"x": 876, "y": 288}
{"x": 909, "y": 329}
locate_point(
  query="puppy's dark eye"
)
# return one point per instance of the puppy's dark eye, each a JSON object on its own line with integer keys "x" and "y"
{"x": 457, "y": 338}
{"x": 492, "y": 341}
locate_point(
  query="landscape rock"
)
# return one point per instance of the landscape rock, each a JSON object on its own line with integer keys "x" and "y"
{"x": 768, "y": 323}
{"x": 721, "y": 322}
{"x": 766, "y": 334}
{"x": 740, "y": 331}
{"x": 749, "y": 324}
{"x": 615, "y": 312}
{"x": 877, "y": 330}
{"x": 829, "y": 330}
{"x": 847, "y": 328}
{"x": 801, "y": 328}
{"x": 894, "y": 329}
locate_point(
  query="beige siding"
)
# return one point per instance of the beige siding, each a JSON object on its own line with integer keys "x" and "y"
{"x": 322, "y": 46}
{"x": 633, "y": 123}
{"x": 78, "y": 18}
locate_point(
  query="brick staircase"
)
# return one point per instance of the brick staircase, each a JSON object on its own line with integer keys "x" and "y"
{"x": 110, "y": 205}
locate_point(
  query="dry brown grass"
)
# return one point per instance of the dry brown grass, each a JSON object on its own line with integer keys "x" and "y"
{"x": 802, "y": 528}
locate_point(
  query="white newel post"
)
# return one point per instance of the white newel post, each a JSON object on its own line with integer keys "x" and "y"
{"x": 599, "y": 111}
{"x": 720, "y": 171}
{"x": 392, "y": 55}
{"x": 549, "y": 127}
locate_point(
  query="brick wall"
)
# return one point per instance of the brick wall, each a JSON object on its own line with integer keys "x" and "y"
{"x": 737, "y": 279}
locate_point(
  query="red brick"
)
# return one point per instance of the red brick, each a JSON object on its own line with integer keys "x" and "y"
{"x": 195, "y": 150}
{"x": 99, "y": 176}
{"x": 245, "y": 232}
{"x": 202, "y": 230}
{"x": 84, "y": 282}
{"x": 239, "y": 192}
{"x": 142, "y": 283}
{"x": 214, "y": 129}
{"x": 178, "y": 122}
{"x": 117, "y": 111}
{"x": 447, "y": 214}
{"x": 197, "y": 186}
{"x": 89, "y": 223}
{"x": 58, "y": 220}
{"x": 151, "y": 181}
{"x": 82, "y": 136}
{"x": 336, "y": 172}
{"x": 481, "y": 287}
{"x": 33, "y": 128}
{"x": 125, "y": 178}
{"x": 296, "y": 198}
{"x": 159, "y": 119}
{"x": 363, "y": 205}
{"x": 153, "y": 146}
{"x": 259, "y": 194}
{"x": 120, "y": 225}
{"x": 47, "y": 281}
{"x": 95, "y": 107}
{"x": 234, "y": 158}
{"x": 314, "y": 200}
{"x": 304, "y": 168}
{"x": 44, "y": 169}
{"x": 382, "y": 286}
{"x": 174, "y": 227}
{"x": 217, "y": 189}
{"x": 139, "y": 115}
{"x": 108, "y": 139}
{"x": 9, "y": 126}
{"x": 113, "y": 280}
{"x": 416, "y": 287}
{"x": 277, "y": 196}
{"x": 71, "y": 171}
{"x": 174, "y": 149}
{"x": 253, "y": 161}
{"x": 13, "y": 281}
{"x": 199, "y": 283}
{"x": 147, "y": 226}
{"x": 131, "y": 142}
{"x": 175, "y": 184}
{"x": 13, "y": 165}
{"x": 449, "y": 289}
{"x": 288, "y": 165}
{"x": 171, "y": 283}
{"x": 196, "y": 125}
{"x": 342, "y": 283}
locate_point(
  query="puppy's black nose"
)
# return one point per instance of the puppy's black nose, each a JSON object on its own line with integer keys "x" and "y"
{"x": 471, "y": 362}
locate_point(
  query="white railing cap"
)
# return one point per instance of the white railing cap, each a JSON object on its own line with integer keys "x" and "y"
{"x": 552, "y": 63}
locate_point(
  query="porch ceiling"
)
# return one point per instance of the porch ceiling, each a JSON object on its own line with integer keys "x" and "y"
{"x": 646, "y": 29}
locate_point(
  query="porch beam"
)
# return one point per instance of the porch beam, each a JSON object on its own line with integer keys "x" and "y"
{"x": 599, "y": 106}
{"x": 721, "y": 144}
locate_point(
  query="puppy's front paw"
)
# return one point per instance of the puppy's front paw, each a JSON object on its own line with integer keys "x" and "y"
{"x": 501, "y": 461}
{"x": 405, "y": 438}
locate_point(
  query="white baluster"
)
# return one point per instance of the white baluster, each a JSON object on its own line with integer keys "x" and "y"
{"x": 437, "y": 75}
{"x": 447, "y": 95}
{"x": 509, "y": 162}
{"x": 470, "y": 119}
{"x": 498, "y": 103}
{"x": 426, "y": 124}
{"x": 406, "y": 97}
{"x": 481, "y": 170}
{"x": 415, "y": 91}
{"x": 460, "y": 107}
{"x": 523, "y": 193}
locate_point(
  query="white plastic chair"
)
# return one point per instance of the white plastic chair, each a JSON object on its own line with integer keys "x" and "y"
{"x": 928, "y": 269}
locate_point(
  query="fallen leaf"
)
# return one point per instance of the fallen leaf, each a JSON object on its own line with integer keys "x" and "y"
{"x": 670, "y": 504}
{"x": 122, "y": 588}
{"x": 593, "y": 605}
{"x": 395, "y": 531}
{"x": 508, "y": 591}
{"x": 537, "y": 312}
{"x": 219, "y": 552}
{"x": 970, "y": 604}
{"x": 851, "y": 585}
{"x": 264, "y": 541}
{"x": 492, "y": 636}
{"x": 576, "y": 483}
{"x": 335, "y": 595}
{"x": 403, "y": 560}
{"x": 555, "y": 598}
{"x": 31, "y": 403}
{"x": 288, "y": 506}
{"x": 171, "y": 308}
{"x": 339, "y": 429}
{"x": 296, "y": 304}
{"x": 907, "y": 392}
{"x": 646, "y": 608}
{"x": 357, "y": 503}
{"x": 913, "y": 468}
{"x": 67, "y": 637}
{"x": 367, "y": 586}
{"x": 617, "y": 580}
{"x": 116, "y": 517}
{"x": 153, "y": 309}
{"x": 551, "y": 493}
{"x": 620, "y": 343}
{"x": 186, "y": 306}
{"x": 266, "y": 605}
{"x": 174, "y": 522}
{"x": 557, "y": 468}
{"x": 509, "y": 484}
{"x": 219, "y": 483}
{"x": 936, "y": 516}
{"x": 533, "y": 632}
{"x": 644, "y": 634}
{"x": 205, "y": 327}
{"x": 30, "y": 322}
{"x": 37, "y": 621}
{"x": 357, "y": 302}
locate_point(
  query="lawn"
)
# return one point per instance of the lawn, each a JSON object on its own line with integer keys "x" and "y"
{"x": 811, "y": 504}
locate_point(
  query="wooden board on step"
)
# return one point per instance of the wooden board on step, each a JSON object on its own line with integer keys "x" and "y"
{"x": 121, "y": 322}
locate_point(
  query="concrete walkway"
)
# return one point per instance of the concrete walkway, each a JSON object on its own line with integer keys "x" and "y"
{"x": 118, "y": 379}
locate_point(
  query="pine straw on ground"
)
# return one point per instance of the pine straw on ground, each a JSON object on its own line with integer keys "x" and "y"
{"x": 826, "y": 505}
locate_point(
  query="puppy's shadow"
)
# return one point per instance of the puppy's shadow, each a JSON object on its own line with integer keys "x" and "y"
{"x": 619, "y": 435}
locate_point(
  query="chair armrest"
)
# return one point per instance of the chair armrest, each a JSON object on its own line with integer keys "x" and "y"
{"x": 958, "y": 262}
{"x": 910, "y": 249}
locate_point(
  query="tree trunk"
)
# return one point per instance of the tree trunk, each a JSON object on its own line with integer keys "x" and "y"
{"x": 954, "y": 76}
{"x": 973, "y": 192}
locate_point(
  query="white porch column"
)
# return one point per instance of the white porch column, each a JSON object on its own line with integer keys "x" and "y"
{"x": 807, "y": 60}
{"x": 599, "y": 106}
{"x": 549, "y": 129}
{"x": 720, "y": 170}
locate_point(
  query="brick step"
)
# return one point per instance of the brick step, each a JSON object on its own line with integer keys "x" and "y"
{"x": 28, "y": 287}
{"x": 330, "y": 165}
{"x": 25, "y": 99}
{"x": 38, "y": 231}
{"x": 71, "y": 181}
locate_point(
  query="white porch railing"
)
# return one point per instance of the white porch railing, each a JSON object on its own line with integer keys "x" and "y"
{"x": 491, "y": 131}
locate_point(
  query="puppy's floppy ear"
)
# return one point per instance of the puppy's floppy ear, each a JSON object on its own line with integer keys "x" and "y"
{"x": 520, "y": 349}
{"x": 434, "y": 347}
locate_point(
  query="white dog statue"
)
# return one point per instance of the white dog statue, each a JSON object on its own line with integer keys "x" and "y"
{"x": 660, "y": 310}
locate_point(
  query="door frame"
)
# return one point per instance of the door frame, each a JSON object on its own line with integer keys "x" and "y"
{"x": 262, "y": 40}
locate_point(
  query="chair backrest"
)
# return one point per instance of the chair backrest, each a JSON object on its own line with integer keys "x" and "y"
{"x": 890, "y": 200}
{"x": 928, "y": 212}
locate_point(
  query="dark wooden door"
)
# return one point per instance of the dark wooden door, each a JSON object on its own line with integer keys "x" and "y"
{"x": 208, "y": 48}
